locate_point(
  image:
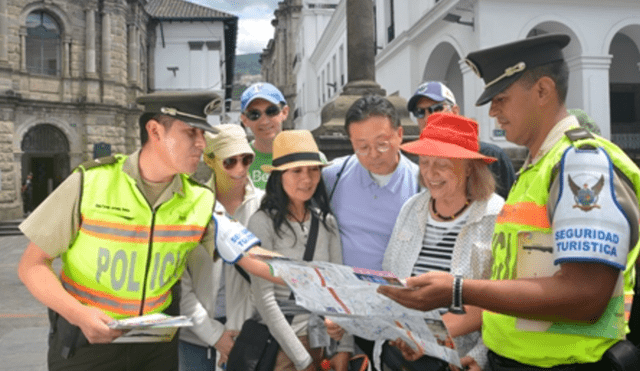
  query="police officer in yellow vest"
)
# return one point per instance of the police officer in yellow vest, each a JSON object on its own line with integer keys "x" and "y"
{"x": 566, "y": 240}
{"x": 123, "y": 227}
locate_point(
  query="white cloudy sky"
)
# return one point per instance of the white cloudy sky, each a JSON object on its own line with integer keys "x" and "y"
{"x": 254, "y": 24}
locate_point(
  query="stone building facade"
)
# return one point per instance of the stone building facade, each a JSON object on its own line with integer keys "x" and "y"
{"x": 278, "y": 57}
{"x": 69, "y": 72}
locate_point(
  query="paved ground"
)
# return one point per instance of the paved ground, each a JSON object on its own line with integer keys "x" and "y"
{"x": 23, "y": 320}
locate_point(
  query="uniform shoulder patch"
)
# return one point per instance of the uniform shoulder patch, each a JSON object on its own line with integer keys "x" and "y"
{"x": 99, "y": 162}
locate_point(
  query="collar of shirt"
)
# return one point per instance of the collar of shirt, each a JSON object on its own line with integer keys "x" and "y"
{"x": 556, "y": 133}
{"x": 393, "y": 185}
{"x": 131, "y": 168}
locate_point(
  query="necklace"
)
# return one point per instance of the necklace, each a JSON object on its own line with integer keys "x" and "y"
{"x": 301, "y": 222}
{"x": 451, "y": 217}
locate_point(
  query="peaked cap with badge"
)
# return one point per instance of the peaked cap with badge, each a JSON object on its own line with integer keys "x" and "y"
{"x": 502, "y": 65}
{"x": 191, "y": 107}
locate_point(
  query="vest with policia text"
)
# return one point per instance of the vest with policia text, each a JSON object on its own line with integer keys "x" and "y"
{"x": 524, "y": 245}
{"x": 126, "y": 256}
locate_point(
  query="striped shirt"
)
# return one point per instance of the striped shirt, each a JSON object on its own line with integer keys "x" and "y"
{"x": 437, "y": 244}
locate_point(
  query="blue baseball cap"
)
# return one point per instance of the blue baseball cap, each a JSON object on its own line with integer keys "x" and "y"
{"x": 262, "y": 90}
{"x": 434, "y": 90}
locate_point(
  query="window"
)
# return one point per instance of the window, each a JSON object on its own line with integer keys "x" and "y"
{"x": 43, "y": 44}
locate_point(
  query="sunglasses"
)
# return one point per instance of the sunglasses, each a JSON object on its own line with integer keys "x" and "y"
{"x": 255, "y": 114}
{"x": 438, "y": 107}
{"x": 230, "y": 162}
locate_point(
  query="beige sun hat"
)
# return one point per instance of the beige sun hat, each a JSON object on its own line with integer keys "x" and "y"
{"x": 294, "y": 148}
{"x": 230, "y": 141}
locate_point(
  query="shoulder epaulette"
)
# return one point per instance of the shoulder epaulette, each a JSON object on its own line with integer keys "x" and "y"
{"x": 99, "y": 162}
{"x": 578, "y": 134}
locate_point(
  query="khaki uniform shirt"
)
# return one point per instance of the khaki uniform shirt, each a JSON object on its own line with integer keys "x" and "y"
{"x": 53, "y": 225}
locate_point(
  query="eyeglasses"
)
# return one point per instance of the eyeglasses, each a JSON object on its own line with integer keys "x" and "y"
{"x": 255, "y": 114}
{"x": 381, "y": 147}
{"x": 230, "y": 162}
{"x": 438, "y": 107}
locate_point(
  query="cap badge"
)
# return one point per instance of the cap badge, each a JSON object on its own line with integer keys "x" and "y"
{"x": 212, "y": 106}
{"x": 509, "y": 71}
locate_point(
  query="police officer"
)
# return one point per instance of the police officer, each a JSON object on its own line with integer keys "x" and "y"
{"x": 565, "y": 242}
{"x": 123, "y": 227}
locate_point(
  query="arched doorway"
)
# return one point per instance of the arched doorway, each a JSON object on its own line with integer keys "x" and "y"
{"x": 46, "y": 155}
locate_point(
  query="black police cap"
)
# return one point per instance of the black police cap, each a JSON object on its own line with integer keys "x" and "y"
{"x": 192, "y": 107}
{"x": 502, "y": 65}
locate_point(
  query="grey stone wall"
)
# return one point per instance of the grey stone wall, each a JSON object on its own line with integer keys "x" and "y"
{"x": 86, "y": 106}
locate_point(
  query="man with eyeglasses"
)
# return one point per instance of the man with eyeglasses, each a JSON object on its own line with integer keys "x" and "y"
{"x": 434, "y": 96}
{"x": 264, "y": 109}
{"x": 368, "y": 189}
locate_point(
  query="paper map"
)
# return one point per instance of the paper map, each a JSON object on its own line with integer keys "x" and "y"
{"x": 348, "y": 297}
{"x": 149, "y": 328}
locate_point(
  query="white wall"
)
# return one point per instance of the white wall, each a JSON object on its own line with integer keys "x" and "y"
{"x": 197, "y": 69}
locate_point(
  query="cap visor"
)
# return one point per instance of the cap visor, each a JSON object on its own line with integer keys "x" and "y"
{"x": 496, "y": 89}
{"x": 430, "y": 147}
{"x": 203, "y": 126}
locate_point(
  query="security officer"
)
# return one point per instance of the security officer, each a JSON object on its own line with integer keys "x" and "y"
{"x": 123, "y": 227}
{"x": 565, "y": 242}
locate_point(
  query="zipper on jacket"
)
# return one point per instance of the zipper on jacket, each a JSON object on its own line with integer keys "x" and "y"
{"x": 149, "y": 258}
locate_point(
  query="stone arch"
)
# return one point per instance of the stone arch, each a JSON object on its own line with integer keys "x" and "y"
{"x": 45, "y": 155}
{"x": 623, "y": 44}
{"x": 52, "y": 9}
{"x": 443, "y": 65}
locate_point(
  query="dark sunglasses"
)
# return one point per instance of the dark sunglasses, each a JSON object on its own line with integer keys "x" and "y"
{"x": 420, "y": 112}
{"x": 255, "y": 114}
{"x": 230, "y": 162}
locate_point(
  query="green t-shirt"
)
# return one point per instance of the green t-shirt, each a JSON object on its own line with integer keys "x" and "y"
{"x": 259, "y": 177}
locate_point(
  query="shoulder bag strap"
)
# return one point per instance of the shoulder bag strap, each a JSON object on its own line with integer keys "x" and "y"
{"x": 344, "y": 164}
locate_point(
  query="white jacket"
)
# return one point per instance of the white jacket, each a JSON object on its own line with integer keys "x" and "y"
{"x": 471, "y": 252}
{"x": 201, "y": 283}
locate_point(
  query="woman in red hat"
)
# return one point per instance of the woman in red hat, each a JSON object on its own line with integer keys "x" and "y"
{"x": 448, "y": 226}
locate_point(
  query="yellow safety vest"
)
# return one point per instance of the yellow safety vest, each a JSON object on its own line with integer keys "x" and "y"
{"x": 127, "y": 256}
{"x": 525, "y": 211}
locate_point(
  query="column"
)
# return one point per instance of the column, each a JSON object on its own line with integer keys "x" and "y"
{"x": 590, "y": 75}
{"x": 4, "y": 34}
{"x": 66, "y": 57}
{"x": 23, "y": 48}
{"x": 134, "y": 64}
{"x": 90, "y": 43}
{"x": 106, "y": 45}
{"x": 360, "y": 40}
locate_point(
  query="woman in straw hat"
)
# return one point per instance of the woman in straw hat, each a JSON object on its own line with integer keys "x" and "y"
{"x": 294, "y": 192}
{"x": 213, "y": 293}
{"x": 449, "y": 225}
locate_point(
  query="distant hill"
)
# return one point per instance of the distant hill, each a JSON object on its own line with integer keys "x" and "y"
{"x": 247, "y": 64}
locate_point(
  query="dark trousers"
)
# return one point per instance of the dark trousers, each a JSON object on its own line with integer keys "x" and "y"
{"x": 500, "y": 363}
{"x": 82, "y": 356}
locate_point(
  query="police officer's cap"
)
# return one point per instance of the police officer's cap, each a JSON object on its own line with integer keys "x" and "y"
{"x": 502, "y": 65}
{"x": 191, "y": 107}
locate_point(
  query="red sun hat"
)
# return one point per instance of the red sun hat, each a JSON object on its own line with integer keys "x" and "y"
{"x": 450, "y": 136}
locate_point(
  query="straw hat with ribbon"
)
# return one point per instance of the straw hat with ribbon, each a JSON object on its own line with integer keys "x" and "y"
{"x": 450, "y": 136}
{"x": 294, "y": 148}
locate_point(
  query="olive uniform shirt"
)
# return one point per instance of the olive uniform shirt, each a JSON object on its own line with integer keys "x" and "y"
{"x": 54, "y": 224}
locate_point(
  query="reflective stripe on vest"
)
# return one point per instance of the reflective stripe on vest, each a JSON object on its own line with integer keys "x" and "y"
{"x": 126, "y": 256}
{"x": 111, "y": 303}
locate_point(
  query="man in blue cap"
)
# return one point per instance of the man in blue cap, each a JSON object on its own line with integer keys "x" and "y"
{"x": 123, "y": 227}
{"x": 565, "y": 243}
{"x": 434, "y": 96}
{"x": 263, "y": 110}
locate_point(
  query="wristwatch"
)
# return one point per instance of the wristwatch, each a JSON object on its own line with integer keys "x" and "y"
{"x": 456, "y": 301}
